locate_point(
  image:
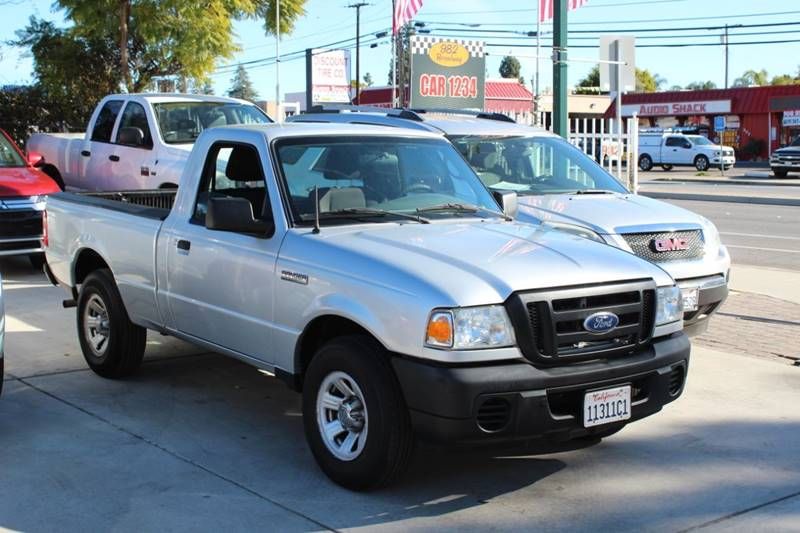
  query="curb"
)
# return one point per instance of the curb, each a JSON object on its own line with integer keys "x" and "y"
{"x": 729, "y": 181}
{"x": 790, "y": 202}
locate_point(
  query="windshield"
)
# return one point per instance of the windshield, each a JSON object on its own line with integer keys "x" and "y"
{"x": 699, "y": 140}
{"x": 369, "y": 178}
{"x": 9, "y": 157}
{"x": 796, "y": 142}
{"x": 182, "y": 122}
{"x": 534, "y": 165}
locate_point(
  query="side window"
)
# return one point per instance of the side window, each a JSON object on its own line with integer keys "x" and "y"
{"x": 104, "y": 124}
{"x": 233, "y": 170}
{"x": 674, "y": 141}
{"x": 138, "y": 131}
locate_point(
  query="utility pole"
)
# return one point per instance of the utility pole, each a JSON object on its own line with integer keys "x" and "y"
{"x": 536, "y": 99}
{"x": 278, "y": 60}
{"x": 560, "y": 123}
{"x": 725, "y": 41}
{"x": 358, "y": 7}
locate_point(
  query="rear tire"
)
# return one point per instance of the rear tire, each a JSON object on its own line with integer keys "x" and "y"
{"x": 667, "y": 167}
{"x": 701, "y": 163}
{"x": 112, "y": 345}
{"x": 373, "y": 414}
{"x": 780, "y": 174}
{"x": 645, "y": 162}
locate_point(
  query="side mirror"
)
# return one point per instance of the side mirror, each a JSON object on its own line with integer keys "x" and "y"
{"x": 35, "y": 159}
{"x": 235, "y": 214}
{"x": 507, "y": 201}
{"x": 131, "y": 136}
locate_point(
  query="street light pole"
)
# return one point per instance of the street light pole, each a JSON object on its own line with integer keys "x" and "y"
{"x": 358, "y": 7}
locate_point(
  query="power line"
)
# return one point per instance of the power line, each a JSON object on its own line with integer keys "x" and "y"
{"x": 660, "y": 45}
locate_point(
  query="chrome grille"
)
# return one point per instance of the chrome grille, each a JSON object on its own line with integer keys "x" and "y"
{"x": 643, "y": 245}
{"x": 549, "y": 324}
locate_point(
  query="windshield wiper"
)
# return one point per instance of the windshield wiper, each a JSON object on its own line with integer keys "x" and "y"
{"x": 359, "y": 212}
{"x": 593, "y": 191}
{"x": 457, "y": 208}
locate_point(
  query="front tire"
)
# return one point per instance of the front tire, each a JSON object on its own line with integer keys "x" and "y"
{"x": 780, "y": 174}
{"x": 355, "y": 418}
{"x": 112, "y": 345}
{"x": 701, "y": 163}
{"x": 645, "y": 163}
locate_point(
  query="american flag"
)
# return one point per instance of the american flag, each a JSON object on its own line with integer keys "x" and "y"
{"x": 546, "y": 8}
{"x": 404, "y": 10}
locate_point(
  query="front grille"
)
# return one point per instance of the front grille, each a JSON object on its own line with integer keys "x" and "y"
{"x": 493, "y": 414}
{"x": 549, "y": 325}
{"x": 644, "y": 245}
{"x": 23, "y": 223}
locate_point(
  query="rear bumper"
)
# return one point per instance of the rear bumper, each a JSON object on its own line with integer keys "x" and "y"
{"x": 447, "y": 404}
{"x": 21, "y": 245}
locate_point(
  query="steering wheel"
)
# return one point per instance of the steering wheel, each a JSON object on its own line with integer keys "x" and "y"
{"x": 419, "y": 187}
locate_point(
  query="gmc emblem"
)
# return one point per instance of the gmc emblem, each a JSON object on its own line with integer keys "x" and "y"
{"x": 670, "y": 245}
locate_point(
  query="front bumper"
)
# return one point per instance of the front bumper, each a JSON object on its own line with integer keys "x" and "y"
{"x": 727, "y": 160}
{"x": 712, "y": 292}
{"x": 449, "y": 403}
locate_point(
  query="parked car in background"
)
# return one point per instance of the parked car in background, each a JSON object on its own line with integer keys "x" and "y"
{"x": 786, "y": 159}
{"x": 23, "y": 189}
{"x": 371, "y": 269}
{"x": 2, "y": 336}
{"x": 137, "y": 141}
{"x": 677, "y": 149}
{"x": 558, "y": 185}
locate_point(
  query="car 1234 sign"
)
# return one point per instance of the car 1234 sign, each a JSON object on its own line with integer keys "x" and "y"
{"x": 447, "y": 73}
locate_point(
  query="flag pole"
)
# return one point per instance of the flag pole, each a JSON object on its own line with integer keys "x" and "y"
{"x": 536, "y": 100}
{"x": 394, "y": 57}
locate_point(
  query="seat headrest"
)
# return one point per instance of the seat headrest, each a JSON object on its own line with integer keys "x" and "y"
{"x": 243, "y": 165}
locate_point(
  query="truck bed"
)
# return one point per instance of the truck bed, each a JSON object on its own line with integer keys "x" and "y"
{"x": 154, "y": 204}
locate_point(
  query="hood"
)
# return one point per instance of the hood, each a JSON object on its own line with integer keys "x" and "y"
{"x": 794, "y": 150}
{"x": 606, "y": 213}
{"x": 25, "y": 181}
{"x": 468, "y": 263}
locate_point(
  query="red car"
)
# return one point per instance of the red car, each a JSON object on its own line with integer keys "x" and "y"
{"x": 23, "y": 190}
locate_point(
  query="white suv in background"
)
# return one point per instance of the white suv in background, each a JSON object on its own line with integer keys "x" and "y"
{"x": 559, "y": 186}
{"x": 676, "y": 149}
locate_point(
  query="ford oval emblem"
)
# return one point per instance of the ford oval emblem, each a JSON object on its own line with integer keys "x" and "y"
{"x": 601, "y": 322}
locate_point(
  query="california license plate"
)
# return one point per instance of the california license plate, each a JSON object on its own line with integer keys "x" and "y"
{"x": 689, "y": 296}
{"x": 606, "y": 406}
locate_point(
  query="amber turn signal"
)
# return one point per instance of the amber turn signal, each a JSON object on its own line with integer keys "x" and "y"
{"x": 440, "y": 330}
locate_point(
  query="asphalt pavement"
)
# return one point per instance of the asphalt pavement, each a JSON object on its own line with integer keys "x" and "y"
{"x": 755, "y": 234}
{"x": 197, "y": 441}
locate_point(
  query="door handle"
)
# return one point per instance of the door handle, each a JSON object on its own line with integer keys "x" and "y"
{"x": 114, "y": 157}
{"x": 184, "y": 244}
{"x": 86, "y": 153}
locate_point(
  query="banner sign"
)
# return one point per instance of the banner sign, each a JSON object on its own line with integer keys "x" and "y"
{"x": 791, "y": 117}
{"x": 677, "y": 108}
{"x": 447, "y": 73}
{"x": 328, "y": 76}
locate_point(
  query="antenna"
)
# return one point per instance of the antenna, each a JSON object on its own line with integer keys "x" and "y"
{"x": 316, "y": 209}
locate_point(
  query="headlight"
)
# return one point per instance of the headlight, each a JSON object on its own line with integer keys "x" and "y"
{"x": 574, "y": 229}
{"x": 711, "y": 236}
{"x": 669, "y": 307}
{"x": 470, "y": 328}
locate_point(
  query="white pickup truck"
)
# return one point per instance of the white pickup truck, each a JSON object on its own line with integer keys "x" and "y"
{"x": 372, "y": 270}
{"x": 676, "y": 149}
{"x": 137, "y": 141}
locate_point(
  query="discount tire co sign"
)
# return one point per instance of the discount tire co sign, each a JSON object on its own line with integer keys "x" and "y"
{"x": 447, "y": 73}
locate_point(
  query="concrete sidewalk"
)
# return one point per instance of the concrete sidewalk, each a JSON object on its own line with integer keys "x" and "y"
{"x": 780, "y": 284}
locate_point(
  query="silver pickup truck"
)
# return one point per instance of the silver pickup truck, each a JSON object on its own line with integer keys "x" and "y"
{"x": 370, "y": 269}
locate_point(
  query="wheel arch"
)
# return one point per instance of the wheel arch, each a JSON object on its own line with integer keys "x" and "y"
{"x": 317, "y": 332}
{"x": 87, "y": 260}
{"x": 52, "y": 171}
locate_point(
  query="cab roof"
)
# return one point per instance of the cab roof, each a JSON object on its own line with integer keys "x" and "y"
{"x": 316, "y": 129}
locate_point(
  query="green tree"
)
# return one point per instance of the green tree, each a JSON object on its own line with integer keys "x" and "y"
{"x": 367, "y": 80}
{"x": 785, "y": 79}
{"x": 71, "y": 73}
{"x": 647, "y": 82}
{"x": 752, "y": 78}
{"x": 701, "y": 85}
{"x": 171, "y": 37}
{"x": 241, "y": 86}
{"x": 510, "y": 67}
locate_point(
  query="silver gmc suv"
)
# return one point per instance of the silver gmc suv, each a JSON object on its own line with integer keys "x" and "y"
{"x": 559, "y": 186}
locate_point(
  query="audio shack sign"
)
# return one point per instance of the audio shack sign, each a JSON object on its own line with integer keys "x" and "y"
{"x": 448, "y": 73}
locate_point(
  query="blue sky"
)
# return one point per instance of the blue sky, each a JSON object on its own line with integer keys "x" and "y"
{"x": 328, "y": 21}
